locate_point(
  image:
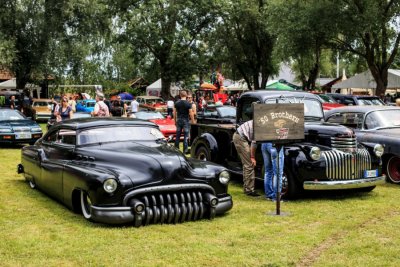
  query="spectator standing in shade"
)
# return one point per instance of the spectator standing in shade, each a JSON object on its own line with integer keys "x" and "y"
{"x": 64, "y": 111}
{"x": 12, "y": 102}
{"x": 134, "y": 105}
{"x": 193, "y": 103}
{"x": 246, "y": 149}
{"x": 170, "y": 107}
{"x": 182, "y": 112}
{"x": 100, "y": 109}
{"x": 117, "y": 109}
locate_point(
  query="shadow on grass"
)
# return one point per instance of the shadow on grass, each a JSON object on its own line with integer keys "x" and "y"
{"x": 316, "y": 195}
{"x": 66, "y": 215}
{"x": 12, "y": 146}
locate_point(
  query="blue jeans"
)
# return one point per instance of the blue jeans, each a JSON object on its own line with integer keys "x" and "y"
{"x": 270, "y": 155}
{"x": 182, "y": 124}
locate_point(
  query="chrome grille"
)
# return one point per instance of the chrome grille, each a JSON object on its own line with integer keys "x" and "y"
{"x": 21, "y": 129}
{"x": 346, "y": 144}
{"x": 346, "y": 166}
{"x": 173, "y": 207}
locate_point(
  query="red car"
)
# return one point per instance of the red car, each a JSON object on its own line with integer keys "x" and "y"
{"x": 166, "y": 124}
{"x": 152, "y": 103}
{"x": 328, "y": 102}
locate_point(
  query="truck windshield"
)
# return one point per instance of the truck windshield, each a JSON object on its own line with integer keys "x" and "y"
{"x": 312, "y": 107}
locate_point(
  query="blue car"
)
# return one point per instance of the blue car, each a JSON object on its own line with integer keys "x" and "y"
{"x": 86, "y": 105}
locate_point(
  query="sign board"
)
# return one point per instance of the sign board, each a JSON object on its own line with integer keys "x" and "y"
{"x": 279, "y": 123}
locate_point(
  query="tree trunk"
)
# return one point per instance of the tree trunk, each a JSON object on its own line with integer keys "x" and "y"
{"x": 165, "y": 83}
{"x": 381, "y": 79}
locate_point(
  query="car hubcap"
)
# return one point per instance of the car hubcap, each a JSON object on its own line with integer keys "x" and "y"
{"x": 393, "y": 169}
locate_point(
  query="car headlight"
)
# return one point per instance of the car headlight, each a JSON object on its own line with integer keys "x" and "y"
{"x": 36, "y": 129}
{"x": 110, "y": 185}
{"x": 224, "y": 177}
{"x": 378, "y": 150}
{"x": 315, "y": 153}
{"x": 5, "y": 130}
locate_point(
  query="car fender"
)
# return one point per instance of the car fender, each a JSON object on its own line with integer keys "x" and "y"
{"x": 209, "y": 141}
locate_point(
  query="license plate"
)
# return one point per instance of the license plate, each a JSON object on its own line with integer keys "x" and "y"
{"x": 370, "y": 173}
{"x": 23, "y": 136}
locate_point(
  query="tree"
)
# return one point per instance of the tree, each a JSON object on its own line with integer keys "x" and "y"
{"x": 243, "y": 41}
{"x": 169, "y": 31}
{"x": 303, "y": 30}
{"x": 371, "y": 30}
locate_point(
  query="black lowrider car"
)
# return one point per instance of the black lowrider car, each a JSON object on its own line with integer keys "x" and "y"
{"x": 15, "y": 128}
{"x": 217, "y": 114}
{"x": 120, "y": 170}
{"x": 329, "y": 158}
{"x": 373, "y": 125}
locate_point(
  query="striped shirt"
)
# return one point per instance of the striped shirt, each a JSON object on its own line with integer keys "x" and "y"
{"x": 246, "y": 130}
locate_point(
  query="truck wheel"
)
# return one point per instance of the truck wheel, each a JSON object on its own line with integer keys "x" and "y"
{"x": 393, "y": 169}
{"x": 290, "y": 187}
{"x": 202, "y": 153}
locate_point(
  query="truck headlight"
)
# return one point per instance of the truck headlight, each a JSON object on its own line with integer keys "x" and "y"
{"x": 315, "y": 153}
{"x": 224, "y": 177}
{"x": 110, "y": 185}
{"x": 378, "y": 150}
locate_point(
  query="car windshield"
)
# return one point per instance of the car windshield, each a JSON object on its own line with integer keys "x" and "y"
{"x": 155, "y": 101}
{"x": 312, "y": 107}
{"x": 383, "y": 119}
{"x": 148, "y": 115}
{"x": 370, "y": 101}
{"x": 90, "y": 104}
{"x": 227, "y": 112}
{"x": 11, "y": 115}
{"x": 327, "y": 99}
{"x": 41, "y": 104}
{"x": 118, "y": 134}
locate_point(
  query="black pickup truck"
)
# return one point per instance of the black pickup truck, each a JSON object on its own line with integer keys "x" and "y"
{"x": 329, "y": 157}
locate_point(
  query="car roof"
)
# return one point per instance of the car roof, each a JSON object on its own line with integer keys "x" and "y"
{"x": 362, "y": 109}
{"x": 41, "y": 100}
{"x": 149, "y": 97}
{"x": 353, "y": 96}
{"x": 82, "y": 123}
{"x": 267, "y": 94}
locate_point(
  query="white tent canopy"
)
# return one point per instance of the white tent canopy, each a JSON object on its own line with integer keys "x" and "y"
{"x": 154, "y": 89}
{"x": 12, "y": 84}
{"x": 366, "y": 81}
{"x": 238, "y": 86}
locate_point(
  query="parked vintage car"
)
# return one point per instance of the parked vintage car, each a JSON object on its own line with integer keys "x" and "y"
{"x": 86, "y": 105}
{"x": 329, "y": 158}
{"x": 217, "y": 114}
{"x": 356, "y": 100}
{"x": 328, "y": 102}
{"x": 374, "y": 125}
{"x": 43, "y": 108}
{"x": 152, "y": 103}
{"x": 122, "y": 170}
{"x": 166, "y": 124}
{"x": 16, "y": 128}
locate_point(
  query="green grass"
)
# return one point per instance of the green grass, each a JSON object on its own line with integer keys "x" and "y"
{"x": 344, "y": 230}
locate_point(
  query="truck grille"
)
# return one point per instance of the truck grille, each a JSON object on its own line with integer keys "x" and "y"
{"x": 345, "y": 144}
{"x": 346, "y": 166}
{"x": 173, "y": 206}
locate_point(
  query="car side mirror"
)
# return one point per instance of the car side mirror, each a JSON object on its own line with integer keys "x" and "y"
{"x": 41, "y": 155}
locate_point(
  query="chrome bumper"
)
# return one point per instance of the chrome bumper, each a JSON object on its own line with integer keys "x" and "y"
{"x": 343, "y": 184}
{"x": 124, "y": 215}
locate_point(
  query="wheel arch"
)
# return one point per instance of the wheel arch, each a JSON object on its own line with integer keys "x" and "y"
{"x": 208, "y": 140}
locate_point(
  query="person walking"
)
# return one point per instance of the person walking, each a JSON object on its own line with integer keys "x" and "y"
{"x": 134, "y": 105}
{"x": 182, "y": 112}
{"x": 246, "y": 149}
{"x": 170, "y": 107}
{"x": 270, "y": 157}
{"x": 64, "y": 111}
{"x": 100, "y": 109}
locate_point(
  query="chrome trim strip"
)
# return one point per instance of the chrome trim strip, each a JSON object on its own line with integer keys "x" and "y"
{"x": 348, "y": 184}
